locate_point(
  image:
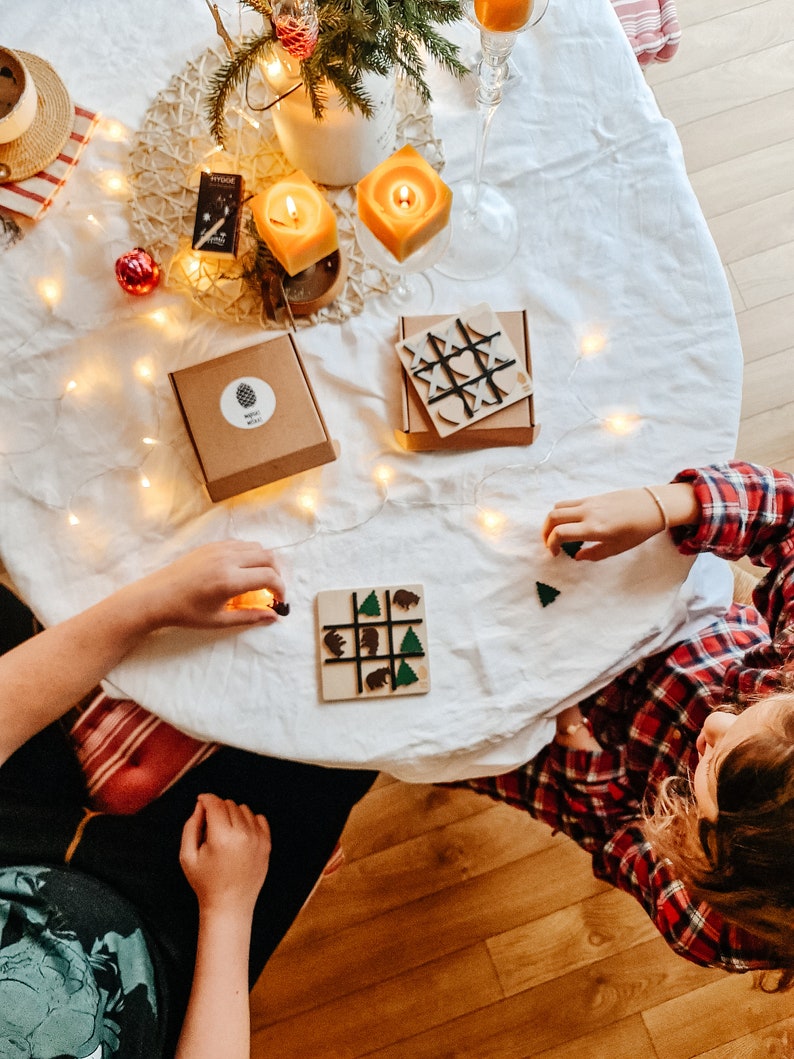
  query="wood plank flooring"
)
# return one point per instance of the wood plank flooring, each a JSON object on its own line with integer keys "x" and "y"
{"x": 459, "y": 928}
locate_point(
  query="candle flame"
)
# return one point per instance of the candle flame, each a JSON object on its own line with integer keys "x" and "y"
{"x": 405, "y": 197}
{"x": 292, "y": 209}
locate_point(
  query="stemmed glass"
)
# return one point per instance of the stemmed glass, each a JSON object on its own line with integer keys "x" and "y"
{"x": 413, "y": 289}
{"x": 485, "y": 222}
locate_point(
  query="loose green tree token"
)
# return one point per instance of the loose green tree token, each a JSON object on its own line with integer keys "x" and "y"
{"x": 572, "y": 547}
{"x": 546, "y": 594}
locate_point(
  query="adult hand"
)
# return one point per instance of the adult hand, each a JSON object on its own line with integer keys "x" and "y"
{"x": 611, "y": 523}
{"x": 225, "y": 854}
{"x": 195, "y": 589}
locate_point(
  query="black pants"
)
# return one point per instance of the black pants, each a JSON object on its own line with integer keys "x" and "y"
{"x": 42, "y": 796}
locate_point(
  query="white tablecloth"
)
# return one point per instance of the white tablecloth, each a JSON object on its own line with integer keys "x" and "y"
{"x": 613, "y": 244}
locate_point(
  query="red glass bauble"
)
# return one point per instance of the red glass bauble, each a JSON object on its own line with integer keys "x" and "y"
{"x": 137, "y": 271}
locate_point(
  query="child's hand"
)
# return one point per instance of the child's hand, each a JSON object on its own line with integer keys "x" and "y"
{"x": 610, "y": 523}
{"x": 195, "y": 589}
{"x": 224, "y": 854}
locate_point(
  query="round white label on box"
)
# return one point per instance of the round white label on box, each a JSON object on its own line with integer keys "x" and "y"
{"x": 248, "y": 402}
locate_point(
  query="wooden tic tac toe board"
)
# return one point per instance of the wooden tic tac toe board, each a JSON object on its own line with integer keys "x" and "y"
{"x": 373, "y": 642}
{"x": 464, "y": 368}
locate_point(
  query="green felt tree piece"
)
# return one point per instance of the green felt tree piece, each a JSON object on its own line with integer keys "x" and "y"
{"x": 410, "y": 643}
{"x": 572, "y": 547}
{"x": 370, "y": 606}
{"x": 405, "y": 675}
{"x": 546, "y": 593}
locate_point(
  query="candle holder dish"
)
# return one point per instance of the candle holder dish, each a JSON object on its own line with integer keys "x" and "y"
{"x": 317, "y": 286}
{"x": 413, "y": 289}
{"x": 486, "y": 224}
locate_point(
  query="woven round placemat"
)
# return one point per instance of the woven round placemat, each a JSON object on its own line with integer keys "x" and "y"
{"x": 44, "y": 140}
{"x": 167, "y": 156}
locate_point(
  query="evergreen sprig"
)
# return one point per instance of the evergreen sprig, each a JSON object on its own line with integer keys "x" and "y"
{"x": 355, "y": 37}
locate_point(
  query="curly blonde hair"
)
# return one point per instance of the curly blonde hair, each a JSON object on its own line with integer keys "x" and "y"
{"x": 742, "y": 863}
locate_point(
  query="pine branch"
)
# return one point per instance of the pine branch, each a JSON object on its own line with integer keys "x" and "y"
{"x": 229, "y": 76}
{"x": 355, "y": 37}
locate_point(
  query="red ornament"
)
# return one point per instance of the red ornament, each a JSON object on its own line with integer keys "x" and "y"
{"x": 297, "y": 27}
{"x": 137, "y": 271}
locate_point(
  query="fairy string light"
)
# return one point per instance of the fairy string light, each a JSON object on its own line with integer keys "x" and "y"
{"x": 307, "y": 502}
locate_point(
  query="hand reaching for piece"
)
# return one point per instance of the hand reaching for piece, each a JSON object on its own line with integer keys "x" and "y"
{"x": 195, "y": 589}
{"x": 611, "y": 523}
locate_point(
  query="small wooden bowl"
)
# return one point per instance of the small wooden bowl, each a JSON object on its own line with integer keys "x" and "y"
{"x": 318, "y": 285}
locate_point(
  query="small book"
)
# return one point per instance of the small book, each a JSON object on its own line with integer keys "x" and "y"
{"x": 218, "y": 214}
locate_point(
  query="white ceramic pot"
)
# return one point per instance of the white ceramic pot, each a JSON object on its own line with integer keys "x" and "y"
{"x": 344, "y": 145}
{"x": 18, "y": 97}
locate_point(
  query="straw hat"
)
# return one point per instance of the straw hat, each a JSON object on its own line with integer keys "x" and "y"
{"x": 44, "y": 140}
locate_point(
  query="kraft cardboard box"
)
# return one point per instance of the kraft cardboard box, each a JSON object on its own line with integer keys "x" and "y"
{"x": 252, "y": 417}
{"x": 514, "y": 425}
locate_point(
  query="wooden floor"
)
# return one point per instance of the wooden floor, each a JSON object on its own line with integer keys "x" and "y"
{"x": 462, "y": 928}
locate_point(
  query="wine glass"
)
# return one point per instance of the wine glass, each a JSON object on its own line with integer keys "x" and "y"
{"x": 485, "y": 222}
{"x": 413, "y": 289}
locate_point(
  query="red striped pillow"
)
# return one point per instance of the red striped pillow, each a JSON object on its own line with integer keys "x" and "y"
{"x": 652, "y": 28}
{"x": 129, "y": 756}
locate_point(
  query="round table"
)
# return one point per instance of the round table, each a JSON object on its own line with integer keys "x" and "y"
{"x": 636, "y": 367}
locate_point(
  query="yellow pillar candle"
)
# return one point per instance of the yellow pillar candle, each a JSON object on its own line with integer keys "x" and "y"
{"x": 503, "y": 16}
{"x": 294, "y": 219}
{"x": 404, "y": 202}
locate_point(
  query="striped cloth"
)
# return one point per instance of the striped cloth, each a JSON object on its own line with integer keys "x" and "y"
{"x": 128, "y": 755}
{"x": 32, "y": 197}
{"x": 652, "y": 28}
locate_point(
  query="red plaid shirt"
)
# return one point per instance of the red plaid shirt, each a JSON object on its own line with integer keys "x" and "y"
{"x": 648, "y": 719}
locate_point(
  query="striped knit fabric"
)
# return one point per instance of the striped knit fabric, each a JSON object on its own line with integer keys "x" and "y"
{"x": 32, "y": 197}
{"x": 128, "y": 755}
{"x": 652, "y": 28}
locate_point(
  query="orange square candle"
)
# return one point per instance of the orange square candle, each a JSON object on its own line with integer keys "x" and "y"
{"x": 294, "y": 219}
{"x": 404, "y": 202}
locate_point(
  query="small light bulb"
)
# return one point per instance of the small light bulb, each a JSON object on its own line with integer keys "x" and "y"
{"x": 149, "y": 441}
{"x": 144, "y": 371}
{"x": 307, "y": 502}
{"x": 192, "y": 263}
{"x": 145, "y": 483}
{"x": 159, "y": 316}
{"x": 492, "y": 521}
{"x": 592, "y": 344}
{"x": 49, "y": 291}
{"x": 383, "y": 474}
{"x": 73, "y": 520}
{"x": 113, "y": 182}
{"x": 71, "y": 385}
{"x": 114, "y": 130}
{"x": 622, "y": 423}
